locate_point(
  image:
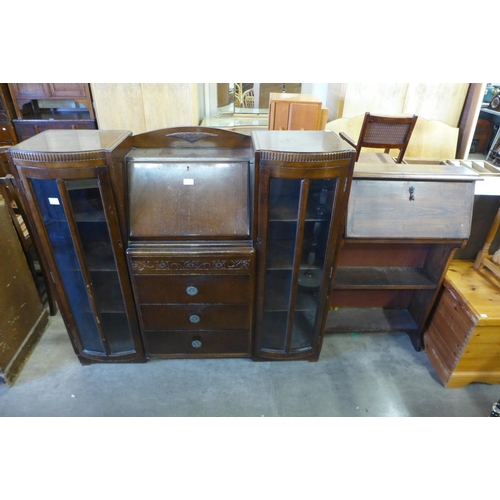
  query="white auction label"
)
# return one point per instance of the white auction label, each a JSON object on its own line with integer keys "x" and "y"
{"x": 188, "y": 182}
{"x": 54, "y": 201}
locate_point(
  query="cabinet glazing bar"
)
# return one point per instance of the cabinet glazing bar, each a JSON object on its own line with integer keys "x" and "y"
{"x": 299, "y": 241}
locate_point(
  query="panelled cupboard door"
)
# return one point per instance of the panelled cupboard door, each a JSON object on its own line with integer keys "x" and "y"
{"x": 75, "y": 217}
{"x": 67, "y": 90}
{"x": 27, "y": 90}
{"x": 48, "y": 90}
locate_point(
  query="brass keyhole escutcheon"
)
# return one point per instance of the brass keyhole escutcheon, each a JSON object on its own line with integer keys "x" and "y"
{"x": 412, "y": 193}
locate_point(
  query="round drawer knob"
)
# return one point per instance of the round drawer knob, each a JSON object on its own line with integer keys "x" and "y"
{"x": 191, "y": 290}
{"x": 194, "y": 318}
{"x": 196, "y": 344}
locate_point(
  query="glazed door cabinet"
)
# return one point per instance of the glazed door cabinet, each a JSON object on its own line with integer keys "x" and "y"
{"x": 301, "y": 203}
{"x": 23, "y": 93}
{"x": 74, "y": 214}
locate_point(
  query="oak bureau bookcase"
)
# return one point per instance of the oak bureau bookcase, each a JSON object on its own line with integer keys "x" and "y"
{"x": 196, "y": 242}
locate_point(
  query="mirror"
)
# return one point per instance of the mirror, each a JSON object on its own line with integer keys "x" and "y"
{"x": 249, "y": 98}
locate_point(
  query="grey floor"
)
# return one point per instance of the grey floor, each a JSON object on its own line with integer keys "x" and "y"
{"x": 356, "y": 376}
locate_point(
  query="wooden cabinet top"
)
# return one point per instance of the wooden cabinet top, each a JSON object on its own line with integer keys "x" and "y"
{"x": 74, "y": 141}
{"x": 283, "y": 96}
{"x": 414, "y": 171}
{"x": 299, "y": 141}
{"x": 475, "y": 290}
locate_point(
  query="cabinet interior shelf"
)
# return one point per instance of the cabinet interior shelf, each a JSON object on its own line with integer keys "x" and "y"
{"x": 282, "y": 257}
{"x": 84, "y": 217}
{"x": 286, "y": 211}
{"x": 54, "y": 114}
{"x": 90, "y": 217}
{"x": 402, "y": 278}
{"x": 369, "y": 320}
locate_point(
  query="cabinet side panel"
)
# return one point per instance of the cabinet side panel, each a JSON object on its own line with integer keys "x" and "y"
{"x": 304, "y": 116}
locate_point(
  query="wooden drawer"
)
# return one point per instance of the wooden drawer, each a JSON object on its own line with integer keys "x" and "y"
{"x": 28, "y": 128}
{"x": 409, "y": 209}
{"x": 194, "y": 288}
{"x": 198, "y": 344}
{"x": 195, "y": 317}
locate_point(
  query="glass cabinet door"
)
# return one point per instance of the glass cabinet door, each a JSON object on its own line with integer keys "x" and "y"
{"x": 75, "y": 221}
{"x": 299, "y": 220}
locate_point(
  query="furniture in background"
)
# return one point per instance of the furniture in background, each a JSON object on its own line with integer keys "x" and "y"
{"x": 45, "y": 106}
{"x": 296, "y": 112}
{"x": 492, "y": 117}
{"x": 430, "y": 138}
{"x": 482, "y": 136}
{"x": 7, "y": 114}
{"x": 485, "y": 207}
{"x": 68, "y": 177}
{"x": 29, "y": 93}
{"x": 454, "y": 104}
{"x": 4, "y": 162}
{"x": 8, "y": 135}
{"x": 23, "y": 319}
{"x": 385, "y": 132}
{"x": 304, "y": 184}
{"x": 248, "y": 99}
{"x": 462, "y": 340}
{"x": 20, "y": 220}
{"x": 484, "y": 259}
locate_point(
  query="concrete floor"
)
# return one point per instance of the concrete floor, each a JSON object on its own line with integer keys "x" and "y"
{"x": 356, "y": 376}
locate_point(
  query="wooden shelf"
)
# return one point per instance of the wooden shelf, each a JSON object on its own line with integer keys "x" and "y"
{"x": 283, "y": 255}
{"x": 287, "y": 209}
{"x": 369, "y": 320}
{"x": 403, "y": 278}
